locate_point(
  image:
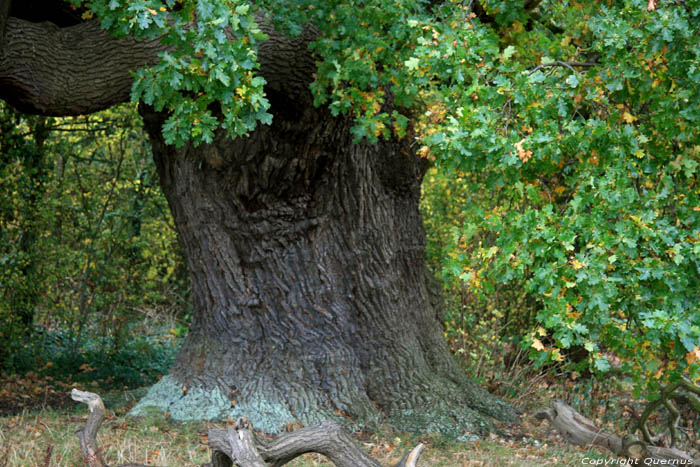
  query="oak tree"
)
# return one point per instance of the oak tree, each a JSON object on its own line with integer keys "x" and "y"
{"x": 294, "y": 189}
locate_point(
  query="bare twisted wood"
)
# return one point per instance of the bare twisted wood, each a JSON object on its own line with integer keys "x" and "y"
{"x": 244, "y": 449}
{"x": 240, "y": 447}
{"x": 577, "y": 429}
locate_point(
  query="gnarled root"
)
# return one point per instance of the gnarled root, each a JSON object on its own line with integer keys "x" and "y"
{"x": 244, "y": 449}
{"x": 683, "y": 391}
{"x": 577, "y": 429}
{"x": 241, "y": 448}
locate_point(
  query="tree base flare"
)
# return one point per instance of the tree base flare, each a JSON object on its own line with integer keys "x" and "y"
{"x": 197, "y": 403}
{"x": 444, "y": 410}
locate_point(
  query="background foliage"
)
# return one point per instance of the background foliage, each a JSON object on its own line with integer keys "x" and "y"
{"x": 572, "y": 162}
{"x": 87, "y": 247}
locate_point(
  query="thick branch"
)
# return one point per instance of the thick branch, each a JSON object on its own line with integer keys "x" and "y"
{"x": 88, "y": 434}
{"x": 81, "y": 69}
{"x": 670, "y": 391}
{"x": 74, "y": 70}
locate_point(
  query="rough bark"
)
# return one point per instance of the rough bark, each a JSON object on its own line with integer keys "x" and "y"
{"x": 577, "y": 429}
{"x": 308, "y": 280}
{"x": 79, "y": 69}
{"x": 306, "y": 251}
{"x": 74, "y": 70}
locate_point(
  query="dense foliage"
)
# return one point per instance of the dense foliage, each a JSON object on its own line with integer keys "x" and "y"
{"x": 582, "y": 127}
{"x": 86, "y": 244}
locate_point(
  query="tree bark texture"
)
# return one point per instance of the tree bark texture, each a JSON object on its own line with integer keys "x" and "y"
{"x": 74, "y": 70}
{"x": 309, "y": 282}
{"x": 306, "y": 251}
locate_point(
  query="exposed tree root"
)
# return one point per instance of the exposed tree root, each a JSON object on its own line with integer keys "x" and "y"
{"x": 240, "y": 447}
{"x": 670, "y": 393}
{"x": 245, "y": 449}
{"x": 88, "y": 434}
{"x": 577, "y": 429}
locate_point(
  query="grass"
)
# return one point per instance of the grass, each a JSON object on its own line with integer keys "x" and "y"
{"x": 43, "y": 420}
{"x": 158, "y": 440}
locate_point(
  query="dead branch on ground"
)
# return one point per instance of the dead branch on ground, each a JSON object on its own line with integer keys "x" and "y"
{"x": 577, "y": 429}
{"x": 240, "y": 446}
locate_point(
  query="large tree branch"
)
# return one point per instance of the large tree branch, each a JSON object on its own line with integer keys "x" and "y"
{"x": 577, "y": 429}
{"x": 74, "y": 70}
{"x": 81, "y": 69}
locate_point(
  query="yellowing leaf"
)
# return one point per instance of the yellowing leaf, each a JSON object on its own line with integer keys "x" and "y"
{"x": 693, "y": 356}
{"x": 576, "y": 264}
{"x": 628, "y": 117}
{"x": 523, "y": 155}
{"x": 537, "y": 344}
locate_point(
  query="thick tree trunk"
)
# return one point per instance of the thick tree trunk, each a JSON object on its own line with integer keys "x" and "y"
{"x": 309, "y": 282}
